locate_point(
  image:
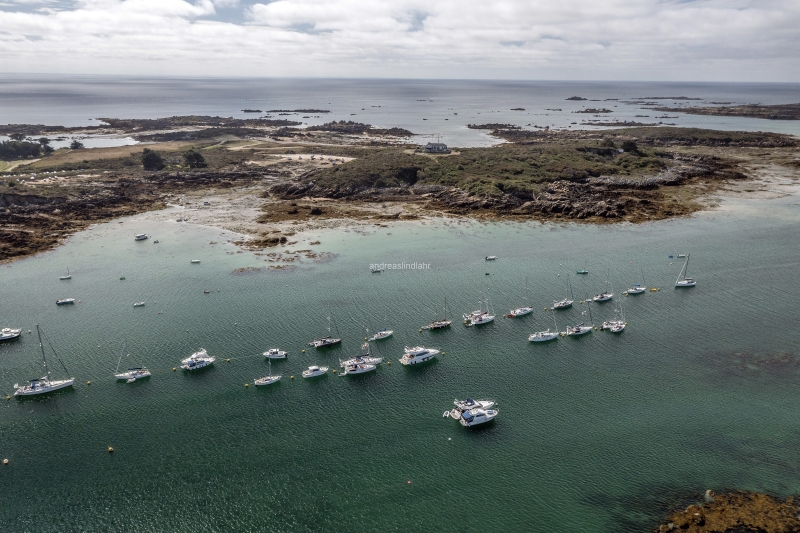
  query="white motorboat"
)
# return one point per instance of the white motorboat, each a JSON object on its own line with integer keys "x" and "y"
{"x": 469, "y": 403}
{"x": 274, "y": 353}
{"x": 194, "y": 261}
{"x": 67, "y": 277}
{"x": 382, "y": 334}
{"x": 325, "y": 342}
{"x": 358, "y": 369}
{"x": 269, "y": 379}
{"x": 44, "y": 384}
{"x": 418, "y": 354}
{"x": 141, "y": 236}
{"x": 156, "y": 241}
{"x": 314, "y": 371}
{"x": 491, "y": 257}
{"x": 683, "y": 280}
{"x": 199, "y": 359}
{"x": 476, "y": 417}
{"x": 138, "y": 304}
{"x": 9, "y": 334}
{"x": 375, "y": 270}
{"x": 65, "y": 301}
{"x": 132, "y": 374}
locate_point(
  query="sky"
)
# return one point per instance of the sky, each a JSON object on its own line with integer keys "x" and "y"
{"x": 657, "y": 40}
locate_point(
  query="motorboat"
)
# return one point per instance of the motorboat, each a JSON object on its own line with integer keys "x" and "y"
{"x": 491, "y": 257}
{"x": 274, "y": 353}
{"x": 358, "y": 369}
{"x": 156, "y": 241}
{"x": 194, "y": 261}
{"x": 325, "y": 342}
{"x": 44, "y": 384}
{"x": 132, "y": 374}
{"x": 582, "y": 271}
{"x": 477, "y": 318}
{"x": 469, "y": 403}
{"x": 382, "y": 334}
{"x": 417, "y": 354}
{"x": 141, "y": 236}
{"x": 199, "y": 359}
{"x": 65, "y": 301}
{"x": 476, "y": 417}
{"x": 683, "y": 280}
{"x": 9, "y": 334}
{"x": 138, "y": 304}
{"x": 543, "y": 336}
{"x": 580, "y": 329}
{"x": 314, "y": 371}
{"x": 375, "y": 270}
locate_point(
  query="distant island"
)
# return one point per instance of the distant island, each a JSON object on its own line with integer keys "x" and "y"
{"x": 770, "y": 112}
{"x": 579, "y": 98}
{"x": 298, "y": 111}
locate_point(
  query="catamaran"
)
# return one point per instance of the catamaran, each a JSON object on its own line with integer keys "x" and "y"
{"x": 9, "y": 334}
{"x": 325, "y": 342}
{"x": 67, "y": 277}
{"x": 682, "y": 280}
{"x": 566, "y": 302}
{"x": 141, "y": 236}
{"x": 524, "y": 310}
{"x": 44, "y": 384}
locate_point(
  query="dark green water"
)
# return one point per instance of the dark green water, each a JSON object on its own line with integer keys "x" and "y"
{"x": 600, "y": 433}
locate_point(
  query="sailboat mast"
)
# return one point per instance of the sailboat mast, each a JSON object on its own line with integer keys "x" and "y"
{"x": 572, "y": 296}
{"x": 39, "y": 333}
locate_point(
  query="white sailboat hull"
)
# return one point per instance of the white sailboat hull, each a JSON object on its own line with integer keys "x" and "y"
{"x": 49, "y": 386}
{"x": 543, "y": 336}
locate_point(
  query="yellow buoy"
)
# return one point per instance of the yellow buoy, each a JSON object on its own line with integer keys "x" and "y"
{"x": 5, "y": 461}
{"x": 174, "y": 369}
{"x": 110, "y": 449}
{"x": 420, "y": 330}
{"x": 442, "y": 353}
{"x": 246, "y": 384}
{"x": 88, "y": 382}
{"x": 365, "y": 338}
{"x": 227, "y": 360}
{"x": 8, "y": 397}
{"x": 291, "y": 377}
{"x": 388, "y": 362}
{"x": 304, "y": 351}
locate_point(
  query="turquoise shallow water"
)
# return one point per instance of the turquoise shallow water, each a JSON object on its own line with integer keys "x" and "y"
{"x": 600, "y": 433}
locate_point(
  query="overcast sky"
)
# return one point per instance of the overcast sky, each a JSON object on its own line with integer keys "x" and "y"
{"x": 704, "y": 40}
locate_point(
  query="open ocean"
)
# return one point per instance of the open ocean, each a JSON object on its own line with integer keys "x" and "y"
{"x": 600, "y": 433}
{"x": 429, "y": 108}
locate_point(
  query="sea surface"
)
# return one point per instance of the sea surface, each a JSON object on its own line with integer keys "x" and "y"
{"x": 602, "y": 433}
{"x": 432, "y": 109}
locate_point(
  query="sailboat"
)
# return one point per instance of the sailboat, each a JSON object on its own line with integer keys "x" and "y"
{"x": 581, "y": 328}
{"x": 365, "y": 358}
{"x": 325, "y": 342}
{"x": 44, "y": 384}
{"x": 605, "y": 295}
{"x": 583, "y": 271}
{"x": 479, "y": 316}
{"x": 547, "y": 335}
{"x": 68, "y": 276}
{"x": 637, "y": 289}
{"x": 440, "y": 324}
{"x": 384, "y": 333}
{"x": 132, "y": 374}
{"x": 566, "y": 302}
{"x": 615, "y": 326}
{"x": 525, "y": 310}
{"x": 269, "y": 379}
{"x": 682, "y": 280}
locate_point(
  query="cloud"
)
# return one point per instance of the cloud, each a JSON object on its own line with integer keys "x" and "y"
{"x": 568, "y": 39}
